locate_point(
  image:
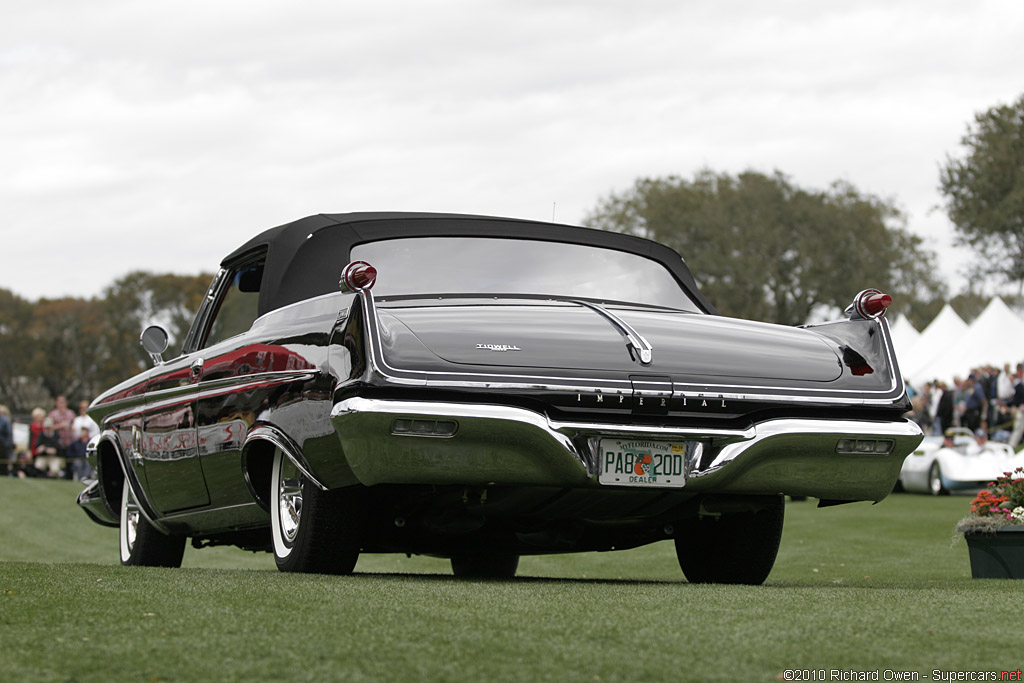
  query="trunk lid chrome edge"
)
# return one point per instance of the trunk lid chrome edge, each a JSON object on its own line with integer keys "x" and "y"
{"x": 643, "y": 348}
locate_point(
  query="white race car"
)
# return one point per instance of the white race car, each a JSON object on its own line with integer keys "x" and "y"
{"x": 966, "y": 466}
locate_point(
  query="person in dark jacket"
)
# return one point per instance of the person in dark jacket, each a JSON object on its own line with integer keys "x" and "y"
{"x": 6, "y": 441}
{"x": 49, "y": 455}
{"x": 76, "y": 456}
{"x": 975, "y": 404}
{"x": 944, "y": 410}
{"x": 1018, "y": 387}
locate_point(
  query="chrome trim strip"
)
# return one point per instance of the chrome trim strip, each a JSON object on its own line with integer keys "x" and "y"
{"x": 124, "y": 412}
{"x": 247, "y": 382}
{"x": 643, "y": 348}
{"x": 202, "y": 390}
{"x": 202, "y": 319}
{"x": 192, "y": 513}
{"x": 379, "y": 365}
{"x": 125, "y": 406}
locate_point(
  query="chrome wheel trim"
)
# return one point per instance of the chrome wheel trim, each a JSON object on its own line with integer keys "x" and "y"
{"x": 286, "y": 508}
{"x": 129, "y": 523}
{"x": 289, "y": 496}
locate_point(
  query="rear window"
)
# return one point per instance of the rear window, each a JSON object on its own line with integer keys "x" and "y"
{"x": 485, "y": 265}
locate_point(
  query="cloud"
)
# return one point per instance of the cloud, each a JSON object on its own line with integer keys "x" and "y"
{"x": 162, "y": 135}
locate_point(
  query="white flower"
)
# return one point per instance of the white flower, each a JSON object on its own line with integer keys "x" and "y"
{"x": 1018, "y": 513}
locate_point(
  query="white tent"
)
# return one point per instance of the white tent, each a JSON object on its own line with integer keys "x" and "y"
{"x": 995, "y": 337}
{"x": 943, "y": 330}
{"x": 904, "y": 336}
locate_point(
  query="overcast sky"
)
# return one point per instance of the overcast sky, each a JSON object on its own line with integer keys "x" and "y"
{"x": 161, "y": 135}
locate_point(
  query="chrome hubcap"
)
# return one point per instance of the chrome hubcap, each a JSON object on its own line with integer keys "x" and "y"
{"x": 289, "y": 499}
{"x": 129, "y": 523}
{"x": 133, "y": 526}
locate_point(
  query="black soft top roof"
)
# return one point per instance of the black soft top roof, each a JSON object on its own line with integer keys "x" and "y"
{"x": 304, "y": 258}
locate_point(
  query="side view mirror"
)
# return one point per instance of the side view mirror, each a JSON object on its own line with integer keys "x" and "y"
{"x": 155, "y": 340}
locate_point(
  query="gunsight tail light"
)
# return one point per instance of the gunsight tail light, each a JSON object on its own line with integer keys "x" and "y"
{"x": 357, "y": 276}
{"x": 868, "y": 305}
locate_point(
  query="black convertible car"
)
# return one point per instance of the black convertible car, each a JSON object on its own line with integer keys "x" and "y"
{"x": 484, "y": 388}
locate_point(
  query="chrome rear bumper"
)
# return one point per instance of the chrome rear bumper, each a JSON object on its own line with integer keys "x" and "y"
{"x": 410, "y": 442}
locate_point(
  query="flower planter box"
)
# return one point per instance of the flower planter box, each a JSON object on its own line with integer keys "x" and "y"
{"x": 999, "y": 555}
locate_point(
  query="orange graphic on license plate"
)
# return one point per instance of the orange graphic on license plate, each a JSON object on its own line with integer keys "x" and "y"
{"x": 643, "y": 464}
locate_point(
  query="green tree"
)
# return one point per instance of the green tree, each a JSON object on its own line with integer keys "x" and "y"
{"x": 984, "y": 191}
{"x": 80, "y": 347}
{"x": 64, "y": 354}
{"x": 15, "y": 348}
{"x": 140, "y": 299}
{"x": 763, "y": 248}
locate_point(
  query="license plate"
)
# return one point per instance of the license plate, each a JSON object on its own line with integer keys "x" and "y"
{"x": 638, "y": 462}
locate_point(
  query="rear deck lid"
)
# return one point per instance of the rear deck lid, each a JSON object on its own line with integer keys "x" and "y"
{"x": 564, "y": 335}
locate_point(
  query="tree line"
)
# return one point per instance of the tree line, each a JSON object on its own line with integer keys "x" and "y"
{"x": 79, "y": 347}
{"x": 764, "y": 248}
{"x": 760, "y": 246}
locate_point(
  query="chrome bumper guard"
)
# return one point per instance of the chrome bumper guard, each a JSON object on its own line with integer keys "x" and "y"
{"x": 91, "y": 500}
{"x": 410, "y": 442}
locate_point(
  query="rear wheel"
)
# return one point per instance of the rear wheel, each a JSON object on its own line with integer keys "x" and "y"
{"x": 485, "y": 566}
{"x": 732, "y": 548}
{"x": 142, "y": 544}
{"x": 935, "y": 485}
{"x": 314, "y": 531}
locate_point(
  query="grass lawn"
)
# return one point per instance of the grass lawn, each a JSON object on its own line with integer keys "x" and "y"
{"x": 857, "y": 587}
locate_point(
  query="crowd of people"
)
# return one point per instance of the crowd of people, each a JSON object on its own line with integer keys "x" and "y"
{"x": 56, "y": 443}
{"x": 989, "y": 402}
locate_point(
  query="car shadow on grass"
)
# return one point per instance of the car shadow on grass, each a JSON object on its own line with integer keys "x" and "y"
{"x": 527, "y": 580}
{"x": 786, "y": 585}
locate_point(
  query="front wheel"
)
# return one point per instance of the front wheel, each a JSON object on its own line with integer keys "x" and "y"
{"x": 935, "y": 485}
{"x": 737, "y": 548}
{"x": 314, "y": 531}
{"x": 142, "y": 544}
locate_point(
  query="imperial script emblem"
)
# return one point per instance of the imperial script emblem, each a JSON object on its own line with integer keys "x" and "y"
{"x": 498, "y": 347}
